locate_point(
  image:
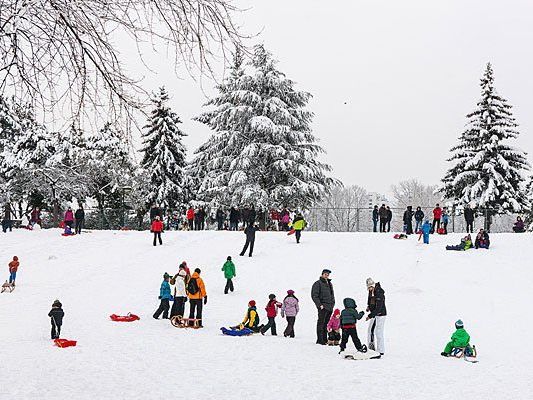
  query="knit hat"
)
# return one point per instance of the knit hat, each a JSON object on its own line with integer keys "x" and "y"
{"x": 166, "y": 275}
{"x": 326, "y": 271}
{"x": 271, "y": 296}
{"x": 459, "y": 324}
{"x": 183, "y": 265}
{"x": 198, "y": 270}
{"x": 15, "y": 258}
{"x": 251, "y": 303}
{"x": 290, "y": 292}
{"x": 56, "y": 303}
{"x": 229, "y": 258}
{"x": 336, "y": 312}
{"x": 369, "y": 283}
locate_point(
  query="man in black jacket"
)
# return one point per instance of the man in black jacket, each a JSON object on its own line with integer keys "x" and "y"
{"x": 250, "y": 239}
{"x": 234, "y": 216}
{"x": 408, "y": 220}
{"x": 378, "y": 313}
{"x": 79, "y": 216}
{"x": 324, "y": 299}
{"x": 389, "y": 218}
{"x": 469, "y": 218}
{"x": 56, "y": 315}
{"x": 383, "y": 214}
{"x": 220, "y": 217}
{"x": 375, "y": 218}
{"x": 419, "y": 217}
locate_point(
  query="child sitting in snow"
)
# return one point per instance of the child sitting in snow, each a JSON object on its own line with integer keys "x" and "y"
{"x": 349, "y": 317}
{"x": 482, "y": 240}
{"x": 334, "y": 328}
{"x": 466, "y": 243}
{"x": 68, "y": 231}
{"x": 13, "y": 268}
{"x": 56, "y": 315}
{"x": 272, "y": 310}
{"x": 251, "y": 319}
{"x": 460, "y": 338}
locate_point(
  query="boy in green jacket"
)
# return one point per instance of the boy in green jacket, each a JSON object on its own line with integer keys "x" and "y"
{"x": 349, "y": 318}
{"x": 460, "y": 338}
{"x": 229, "y": 274}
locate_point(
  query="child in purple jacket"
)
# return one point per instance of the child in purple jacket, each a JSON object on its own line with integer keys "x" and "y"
{"x": 334, "y": 328}
{"x": 290, "y": 309}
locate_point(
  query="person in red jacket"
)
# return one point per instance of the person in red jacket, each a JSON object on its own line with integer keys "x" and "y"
{"x": 190, "y": 218}
{"x": 272, "y": 310}
{"x": 13, "y": 268}
{"x": 437, "y": 215}
{"x": 157, "y": 228}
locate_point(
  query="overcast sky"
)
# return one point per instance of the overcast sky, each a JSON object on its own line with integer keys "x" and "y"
{"x": 391, "y": 80}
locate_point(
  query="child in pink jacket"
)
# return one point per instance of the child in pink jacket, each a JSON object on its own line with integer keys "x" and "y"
{"x": 334, "y": 328}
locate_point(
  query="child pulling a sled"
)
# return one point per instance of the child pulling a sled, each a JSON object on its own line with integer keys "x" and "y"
{"x": 460, "y": 339}
{"x": 56, "y": 315}
{"x": 334, "y": 328}
{"x": 13, "y": 268}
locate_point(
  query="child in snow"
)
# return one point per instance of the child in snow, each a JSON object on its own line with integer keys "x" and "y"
{"x": 426, "y": 230}
{"x": 229, "y": 274}
{"x": 482, "y": 240}
{"x": 334, "y": 328}
{"x": 13, "y": 268}
{"x": 68, "y": 230}
{"x": 56, "y": 315}
{"x": 349, "y": 317}
{"x": 290, "y": 309}
{"x": 460, "y": 338}
{"x": 272, "y": 310}
{"x": 251, "y": 319}
{"x": 165, "y": 295}
{"x": 466, "y": 243}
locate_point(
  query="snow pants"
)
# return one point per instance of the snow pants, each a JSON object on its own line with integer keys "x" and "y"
{"x": 270, "y": 325}
{"x": 229, "y": 286}
{"x": 157, "y": 235}
{"x": 12, "y": 277}
{"x": 79, "y": 226}
{"x": 298, "y": 234}
{"x": 426, "y": 238}
{"x": 321, "y": 326}
{"x": 418, "y": 226}
{"x": 383, "y": 225}
{"x": 435, "y": 225}
{"x": 7, "y": 224}
{"x": 190, "y": 222}
{"x": 289, "y": 330}
{"x": 469, "y": 226}
{"x": 376, "y": 327}
{"x": 220, "y": 224}
{"x": 234, "y": 225}
{"x": 249, "y": 242}
{"x": 449, "y": 347}
{"x": 163, "y": 308}
{"x": 375, "y": 223}
{"x": 347, "y": 333}
{"x": 178, "y": 307}
{"x": 196, "y": 308}
{"x": 56, "y": 330}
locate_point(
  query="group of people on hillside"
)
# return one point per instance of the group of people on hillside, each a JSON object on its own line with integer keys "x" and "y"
{"x": 333, "y": 324}
{"x": 74, "y": 220}
{"x": 383, "y": 215}
{"x": 439, "y": 223}
{"x": 482, "y": 241}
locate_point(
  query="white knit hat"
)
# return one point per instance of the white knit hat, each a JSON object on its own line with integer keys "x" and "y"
{"x": 369, "y": 282}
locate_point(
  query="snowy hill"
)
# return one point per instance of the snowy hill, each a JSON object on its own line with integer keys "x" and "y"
{"x": 427, "y": 288}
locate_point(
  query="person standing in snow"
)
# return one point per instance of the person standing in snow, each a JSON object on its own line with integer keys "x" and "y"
{"x": 56, "y": 315}
{"x": 220, "y": 217}
{"x": 383, "y": 215}
{"x": 425, "y": 231}
{"x": 272, "y": 311}
{"x": 7, "y": 222}
{"x": 201, "y": 219}
{"x": 419, "y": 217}
{"x": 389, "y": 218}
{"x": 80, "y": 219}
{"x": 437, "y": 215}
{"x": 324, "y": 298}
{"x": 157, "y": 229}
{"x": 229, "y": 274}
{"x": 460, "y": 338}
{"x": 190, "y": 218}
{"x": 250, "y": 239}
{"x": 349, "y": 318}
{"x": 375, "y": 218}
{"x": 69, "y": 218}
{"x": 289, "y": 310}
{"x": 179, "y": 282}
{"x": 165, "y": 296}
{"x": 378, "y": 313}
{"x": 234, "y": 216}
{"x": 408, "y": 220}
{"x": 469, "y": 219}
{"x": 197, "y": 296}
{"x": 298, "y": 224}
{"x": 13, "y": 268}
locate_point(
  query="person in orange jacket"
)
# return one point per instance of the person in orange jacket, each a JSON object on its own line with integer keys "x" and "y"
{"x": 13, "y": 268}
{"x": 197, "y": 296}
{"x": 157, "y": 228}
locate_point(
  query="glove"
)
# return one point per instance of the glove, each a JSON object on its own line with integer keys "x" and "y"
{"x": 159, "y": 297}
{"x": 205, "y": 300}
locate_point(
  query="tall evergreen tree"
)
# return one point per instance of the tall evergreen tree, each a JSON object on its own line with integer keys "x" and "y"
{"x": 262, "y": 150}
{"x": 486, "y": 171}
{"x": 164, "y": 154}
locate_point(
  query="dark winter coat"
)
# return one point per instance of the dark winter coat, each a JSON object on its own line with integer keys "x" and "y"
{"x": 419, "y": 215}
{"x": 469, "y": 214}
{"x": 56, "y": 315}
{"x": 389, "y": 215}
{"x": 80, "y": 214}
{"x": 154, "y": 212}
{"x": 349, "y": 315}
{"x": 220, "y": 214}
{"x": 408, "y": 216}
{"x": 250, "y": 232}
{"x": 234, "y": 215}
{"x": 375, "y": 214}
{"x": 201, "y": 215}
{"x": 376, "y": 302}
{"x": 252, "y": 216}
{"x": 383, "y": 213}
{"x": 322, "y": 294}
{"x": 7, "y": 213}
{"x": 245, "y": 214}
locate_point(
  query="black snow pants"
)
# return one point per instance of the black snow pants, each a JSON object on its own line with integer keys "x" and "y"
{"x": 178, "y": 307}
{"x": 249, "y": 242}
{"x": 350, "y": 332}
{"x": 321, "y": 326}
{"x": 163, "y": 308}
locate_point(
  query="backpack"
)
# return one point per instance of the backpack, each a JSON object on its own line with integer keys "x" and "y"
{"x": 192, "y": 286}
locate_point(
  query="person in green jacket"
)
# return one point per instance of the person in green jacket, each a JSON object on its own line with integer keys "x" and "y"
{"x": 349, "y": 318}
{"x": 460, "y": 338}
{"x": 229, "y": 274}
{"x": 298, "y": 224}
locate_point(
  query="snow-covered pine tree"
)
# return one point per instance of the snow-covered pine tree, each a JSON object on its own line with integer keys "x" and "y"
{"x": 164, "y": 154}
{"x": 263, "y": 151}
{"x": 486, "y": 171}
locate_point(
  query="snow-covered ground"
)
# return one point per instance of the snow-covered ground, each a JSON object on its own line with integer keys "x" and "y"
{"x": 427, "y": 288}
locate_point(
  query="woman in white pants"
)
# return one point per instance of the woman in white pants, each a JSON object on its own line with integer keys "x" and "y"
{"x": 377, "y": 315}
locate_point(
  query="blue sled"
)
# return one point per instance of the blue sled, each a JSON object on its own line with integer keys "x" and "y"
{"x": 235, "y": 332}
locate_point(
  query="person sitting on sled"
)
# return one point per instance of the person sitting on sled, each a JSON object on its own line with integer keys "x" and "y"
{"x": 68, "y": 230}
{"x": 466, "y": 243}
{"x": 251, "y": 319}
{"x": 460, "y": 338}
{"x": 482, "y": 240}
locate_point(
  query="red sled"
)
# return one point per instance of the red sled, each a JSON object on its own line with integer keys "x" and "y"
{"x": 124, "y": 318}
{"x": 61, "y": 225}
{"x": 65, "y": 343}
{"x": 68, "y": 234}
{"x": 441, "y": 231}
{"x": 291, "y": 232}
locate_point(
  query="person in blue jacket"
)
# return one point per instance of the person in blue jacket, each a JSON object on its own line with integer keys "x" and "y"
{"x": 426, "y": 229}
{"x": 165, "y": 296}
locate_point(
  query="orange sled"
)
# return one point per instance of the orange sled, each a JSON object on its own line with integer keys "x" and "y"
{"x": 65, "y": 343}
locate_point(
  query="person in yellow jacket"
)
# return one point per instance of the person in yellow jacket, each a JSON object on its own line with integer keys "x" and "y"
{"x": 298, "y": 224}
{"x": 251, "y": 319}
{"x": 197, "y": 296}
